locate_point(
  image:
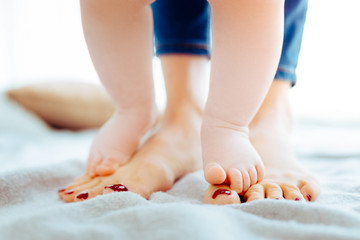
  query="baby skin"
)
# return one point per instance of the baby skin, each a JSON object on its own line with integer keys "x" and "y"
{"x": 270, "y": 134}
{"x": 241, "y": 75}
{"x": 117, "y": 61}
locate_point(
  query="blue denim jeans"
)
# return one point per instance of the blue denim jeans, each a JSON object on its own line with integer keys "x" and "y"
{"x": 183, "y": 26}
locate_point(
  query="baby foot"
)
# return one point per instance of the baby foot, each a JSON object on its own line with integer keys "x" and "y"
{"x": 172, "y": 152}
{"x": 117, "y": 141}
{"x": 270, "y": 134}
{"x": 229, "y": 157}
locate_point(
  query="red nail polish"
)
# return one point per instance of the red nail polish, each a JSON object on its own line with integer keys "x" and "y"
{"x": 277, "y": 198}
{"x": 69, "y": 192}
{"x": 221, "y": 191}
{"x": 62, "y": 190}
{"x": 83, "y": 195}
{"x": 308, "y": 197}
{"x": 297, "y": 199}
{"x": 117, "y": 188}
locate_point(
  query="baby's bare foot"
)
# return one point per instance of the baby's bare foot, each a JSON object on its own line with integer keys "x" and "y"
{"x": 173, "y": 151}
{"x": 229, "y": 157}
{"x": 117, "y": 141}
{"x": 270, "y": 130}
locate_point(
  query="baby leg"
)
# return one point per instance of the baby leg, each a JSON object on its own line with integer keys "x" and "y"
{"x": 247, "y": 37}
{"x": 119, "y": 35}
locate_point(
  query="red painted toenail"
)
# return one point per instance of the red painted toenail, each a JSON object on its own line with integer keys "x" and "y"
{"x": 277, "y": 198}
{"x": 62, "y": 190}
{"x": 221, "y": 191}
{"x": 297, "y": 199}
{"x": 69, "y": 192}
{"x": 83, "y": 195}
{"x": 117, "y": 188}
{"x": 308, "y": 197}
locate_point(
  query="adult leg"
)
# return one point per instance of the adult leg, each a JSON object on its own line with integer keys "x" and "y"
{"x": 270, "y": 130}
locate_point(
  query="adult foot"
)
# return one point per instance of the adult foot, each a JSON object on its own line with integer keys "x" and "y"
{"x": 221, "y": 195}
{"x": 172, "y": 152}
{"x": 117, "y": 141}
{"x": 270, "y": 130}
{"x": 229, "y": 157}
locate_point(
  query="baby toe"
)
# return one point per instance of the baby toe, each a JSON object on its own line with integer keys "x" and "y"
{"x": 214, "y": 173}
{"x": 236, "y": 180}
{"x": 260, "y": 171}
{"x": 107, "y": 167}
{"x": 93, "y": 162}
{"x": 253, "y": 176}
{"x": 246, "y": 180}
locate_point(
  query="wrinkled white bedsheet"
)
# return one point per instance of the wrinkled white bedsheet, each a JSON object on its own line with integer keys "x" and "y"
{"x": 35, "y": 162}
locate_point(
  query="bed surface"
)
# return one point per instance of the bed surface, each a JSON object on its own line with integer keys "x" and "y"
{"x": 36, "y": 161}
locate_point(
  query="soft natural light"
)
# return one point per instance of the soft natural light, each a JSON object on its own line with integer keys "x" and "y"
{"x": 41, "y": 40}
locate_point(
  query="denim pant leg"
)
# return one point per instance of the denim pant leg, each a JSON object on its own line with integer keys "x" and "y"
{"x": 295, "y": 15}
{"x": 183, "y": 26}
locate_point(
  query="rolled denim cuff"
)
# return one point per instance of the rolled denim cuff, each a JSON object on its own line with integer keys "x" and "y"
{"x": 287, "y": 74}
{"x": 182, "y": 48}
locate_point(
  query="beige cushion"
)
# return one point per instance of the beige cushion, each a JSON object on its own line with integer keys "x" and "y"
{"x": 71, "y": 105}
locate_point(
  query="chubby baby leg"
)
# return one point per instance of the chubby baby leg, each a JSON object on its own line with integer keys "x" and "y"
{"x": 118, "y": 34}
{"x": 247, "y": 39}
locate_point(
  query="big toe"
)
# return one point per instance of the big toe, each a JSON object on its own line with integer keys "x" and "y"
{"x": 221, "y": 195}
{"x": 110, "y": 164}
{"x": 105, "y": 170}
{"x": 214, "y": 173}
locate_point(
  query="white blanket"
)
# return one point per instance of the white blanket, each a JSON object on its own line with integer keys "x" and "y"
{"x": 35, "y": 162}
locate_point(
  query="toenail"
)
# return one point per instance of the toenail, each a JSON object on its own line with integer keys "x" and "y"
{"x": 69, "y": 192}
{"x": 117, "y": 188}
{"x": 83, "y": 195}
{"x": 62, "y": 190}
{"x": 308, "y": 197}
{"x": 277, "y": 198}
{"x": 221, "y": 191}
{"x": 297, "y": 199}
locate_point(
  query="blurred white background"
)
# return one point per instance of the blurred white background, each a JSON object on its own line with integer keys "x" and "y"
{"x": 41, "y": 40}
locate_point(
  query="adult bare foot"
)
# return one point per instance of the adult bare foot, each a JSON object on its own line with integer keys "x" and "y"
{"x": 221, "y": 194}
{"x": 172, "y": 152}
{"x": 174, "y": 149}
{"x": 285, "y": 178}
